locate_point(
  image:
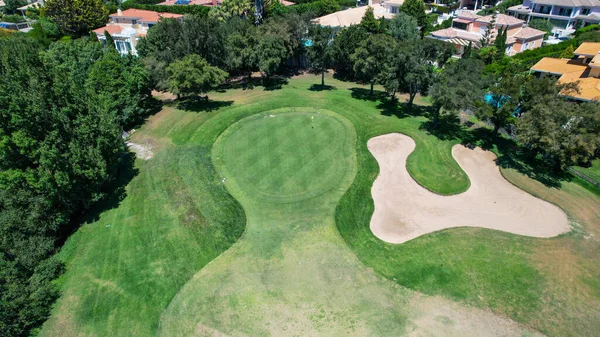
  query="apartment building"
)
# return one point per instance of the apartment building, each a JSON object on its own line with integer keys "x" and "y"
{"x": 565, "y": 15}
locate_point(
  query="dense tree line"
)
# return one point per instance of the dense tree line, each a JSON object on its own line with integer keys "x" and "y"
{"x": 60, "y": 137}
{"x": 63, "y": 109}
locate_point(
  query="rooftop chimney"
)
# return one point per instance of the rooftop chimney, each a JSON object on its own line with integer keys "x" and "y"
{"x": 119, "y": 12}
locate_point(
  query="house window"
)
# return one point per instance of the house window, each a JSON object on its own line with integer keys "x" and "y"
{"x": 133, "y": 22}
{"x": 509, "y": 49}
{"x": 124, "y": 47}
{"x": 482, "y": 30}
{"x": 586, "y": 11}
{"x": 565, "y": 11}
{"x": 459, "y": 25}
{"x": 544, "y": 9}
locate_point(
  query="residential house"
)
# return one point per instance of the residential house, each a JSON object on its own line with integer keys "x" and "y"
{"x": 565, "y": 15}
{"x": 583, "y": 68}
{"x": 351, "y": 16}
{"x": 126, "y": 27}
{"x": 468, "y": 27}
{"x": 392, "y": 6}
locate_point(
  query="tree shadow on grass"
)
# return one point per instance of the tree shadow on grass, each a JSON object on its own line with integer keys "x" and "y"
{"x": 387, "y": 106}
{"x": 318, "y": 87}
{"x": 150, "y": 106}
{"x": 200, "y": 105}
{"x": 364, "y": 94}
{"x": 509, "y": 154}
{"x": 114, "y": 193}
{"x": 448, "y": 128}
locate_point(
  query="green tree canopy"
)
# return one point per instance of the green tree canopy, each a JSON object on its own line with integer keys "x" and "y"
{"x": 456, "y": 87}
{"x": 76, "y": 17}
{"x": 193, "y": 76}
{"x": 344, "y": 45}
{"x": 541, "y": 24}
{"x": 416, "y": 9}
{"x": 404, "y": 27}
{"x": 371, "y": 58}
{"x": 319, "y": 53}
{"x": 503, "y": 100}
{"x": 369, "y": 23}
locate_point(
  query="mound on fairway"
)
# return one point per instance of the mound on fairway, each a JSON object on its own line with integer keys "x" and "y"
{"x": 405, "y": 210}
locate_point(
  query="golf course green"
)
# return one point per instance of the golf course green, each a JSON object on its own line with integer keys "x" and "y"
{"x": 252, "y": 219}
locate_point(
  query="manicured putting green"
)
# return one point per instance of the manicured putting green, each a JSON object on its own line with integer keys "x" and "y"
{"x": 285, "y": 157}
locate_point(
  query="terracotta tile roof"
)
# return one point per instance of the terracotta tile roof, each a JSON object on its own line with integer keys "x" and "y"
{"x": 450, "y": 33}
{"x": 528, "y": 33}
{"x": 502, "y": 19}
{"x": 468, "y": 15}
{"x": 192, "y": 2}
{"x": 589, "y": 87}
{"x": 111, "y": 29}
{"x": 558, "y": 66}
{"x": 462, "y": 20}
{"x": 588, "y": 49}
{"x": 143, "y": 15}
{"x": 571, "y": 71}
{"x": 351, "y": 16}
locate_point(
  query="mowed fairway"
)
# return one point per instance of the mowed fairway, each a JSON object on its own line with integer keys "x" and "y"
{"x": 234, "y": 227}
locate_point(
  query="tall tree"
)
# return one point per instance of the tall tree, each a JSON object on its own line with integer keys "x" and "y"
{"x": 564, "y": 133}
{"x": 468, "y": 51}
{"x": 371, "y": 58}
{"x": 500, "y": 42}
{"x": 503, "y": 98}
{"x": 403, "y": 27}
{"x": 319, "y": 53}
{"x": 416, "y": 9}
{"x": 412, "y": 67}
{"x": 60, "y": 147}
{"x": 193, "y": 76}
{"x": 490, "y": 32}
{"x": 458, "y": 86}
{"x": 344, "y": 45}
{"x": 369, "y": 23}
{"x": 76, "y": 17}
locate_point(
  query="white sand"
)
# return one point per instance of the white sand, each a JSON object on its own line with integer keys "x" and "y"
{"x": 404, "y": 210}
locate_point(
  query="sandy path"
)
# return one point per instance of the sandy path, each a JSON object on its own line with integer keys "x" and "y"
{"x": 404, "y": 210}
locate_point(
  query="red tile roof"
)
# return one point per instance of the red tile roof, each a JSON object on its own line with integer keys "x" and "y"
{"x": 502, "y": 19}
{"x": 111, "y": 29}
{"x": 143, "y": 15}
{"x": 528, "y": 33}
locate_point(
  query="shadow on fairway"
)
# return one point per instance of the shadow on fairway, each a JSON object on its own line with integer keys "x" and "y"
{"x": 318, "y": 87}
{"x": 448, "y": 128}
{"x": 510, "y": 154}
{"x": 200, "y": 105}
{"x": 387, "y": 106}
{"x": 149, "y": 107}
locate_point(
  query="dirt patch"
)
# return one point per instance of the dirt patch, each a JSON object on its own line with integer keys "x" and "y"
{"x": 405, "y": 210}
{"x": 436, "y": 316}
{"x": 142, "y": 151}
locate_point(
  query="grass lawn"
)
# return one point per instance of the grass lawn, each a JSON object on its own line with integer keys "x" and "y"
{"x": 592, "y": 171}
{"x": 142, "y": 268}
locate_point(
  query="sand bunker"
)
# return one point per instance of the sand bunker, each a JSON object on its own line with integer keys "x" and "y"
{"x": 404, "y": 210}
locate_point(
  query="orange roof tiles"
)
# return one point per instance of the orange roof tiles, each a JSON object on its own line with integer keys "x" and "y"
{"x": 111, "y": 29}
{"x": 571, "y": 71}
{"x": 528, "y": 33}
{"x": 558, "y": 66}
{"x": 143, "y": 15}
{"x": 588, "y": 48}
{"x": 502, "y": 19}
